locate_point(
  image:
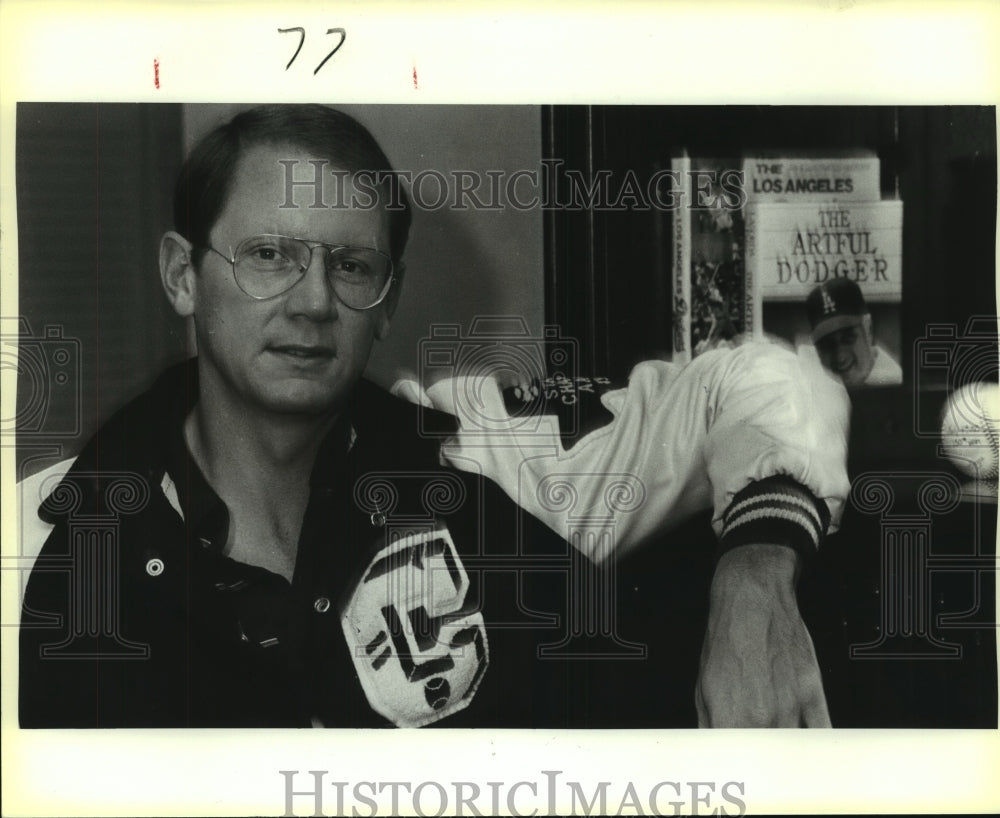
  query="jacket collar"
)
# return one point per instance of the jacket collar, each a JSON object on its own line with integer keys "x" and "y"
{"x": 145, "y": 439}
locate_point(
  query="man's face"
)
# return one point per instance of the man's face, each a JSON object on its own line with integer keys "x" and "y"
{"x": 848, "y": 352}
{"x": 300, "y": 352}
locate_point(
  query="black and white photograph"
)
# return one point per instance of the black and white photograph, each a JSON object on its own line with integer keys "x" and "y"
{"x": 613, "y": 419}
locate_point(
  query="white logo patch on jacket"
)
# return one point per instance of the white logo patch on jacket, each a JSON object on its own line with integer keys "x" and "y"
{"x": 418, "y": 656}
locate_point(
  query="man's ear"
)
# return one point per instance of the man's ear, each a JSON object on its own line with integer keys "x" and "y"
{"x": 388, "y": 307}
{"x": 866, "y": 323}
{"x": 177, "y": 272}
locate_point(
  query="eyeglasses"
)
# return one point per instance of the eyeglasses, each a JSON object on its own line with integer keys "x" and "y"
{"x": 269, "y": 265}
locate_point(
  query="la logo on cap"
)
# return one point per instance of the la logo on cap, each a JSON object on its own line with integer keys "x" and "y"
{"x": 829, "y": 305}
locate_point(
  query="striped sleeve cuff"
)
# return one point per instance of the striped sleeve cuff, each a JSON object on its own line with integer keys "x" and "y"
{"x": 777, "y": 511}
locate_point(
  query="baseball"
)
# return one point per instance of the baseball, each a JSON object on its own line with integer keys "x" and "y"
{"x": 970, "y": 429}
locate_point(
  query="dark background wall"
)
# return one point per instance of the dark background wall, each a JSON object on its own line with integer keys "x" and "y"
{"x": 93, "y": 189}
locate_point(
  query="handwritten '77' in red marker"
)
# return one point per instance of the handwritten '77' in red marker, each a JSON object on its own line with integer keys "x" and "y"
{"x": 156, "y": 73}
{"x": 414, "y": 78}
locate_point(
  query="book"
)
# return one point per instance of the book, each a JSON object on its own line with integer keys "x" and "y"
{"x": 707, "y": 257}
{"x": 753, "y": 318}
{"x": 789, "y": 178}
{"x": 735, "y": 233}
{"x": 680, "y": 167}
{"x": 793, "y": 247}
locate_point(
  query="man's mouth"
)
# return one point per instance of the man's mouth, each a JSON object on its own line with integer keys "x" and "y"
{"x": 303, "y": 351}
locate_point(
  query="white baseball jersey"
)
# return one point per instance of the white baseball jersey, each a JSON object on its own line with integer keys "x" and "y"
{"x": 755, "y": 424}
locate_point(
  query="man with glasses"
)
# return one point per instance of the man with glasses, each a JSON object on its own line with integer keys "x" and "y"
{"x": 288, "y": 549}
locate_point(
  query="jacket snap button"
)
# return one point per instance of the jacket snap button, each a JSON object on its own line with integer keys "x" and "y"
{"x": 321, "y": 605}
{"x": 154, "y": 567}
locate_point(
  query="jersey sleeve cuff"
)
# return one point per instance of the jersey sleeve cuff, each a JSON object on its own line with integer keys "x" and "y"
{"x": 775, "y": 511}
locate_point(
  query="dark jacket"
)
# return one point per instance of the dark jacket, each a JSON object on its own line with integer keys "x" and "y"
{"x": 134, "y": 617}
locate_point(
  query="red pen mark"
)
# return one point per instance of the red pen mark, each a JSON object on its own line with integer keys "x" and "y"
{"x": 156, "y": 73}
{"x": 414, "y": 77}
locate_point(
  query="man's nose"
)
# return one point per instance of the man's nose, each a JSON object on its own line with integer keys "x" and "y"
{"x": 843, "y": 354}
{"x": 313, "y": 295}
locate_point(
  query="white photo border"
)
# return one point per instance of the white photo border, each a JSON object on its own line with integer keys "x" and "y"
{"x": 826, "y": 52}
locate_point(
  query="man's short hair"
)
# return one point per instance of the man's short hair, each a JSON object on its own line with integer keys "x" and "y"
{"x": 206, "y": 176}
{"x": 833, "y": 305}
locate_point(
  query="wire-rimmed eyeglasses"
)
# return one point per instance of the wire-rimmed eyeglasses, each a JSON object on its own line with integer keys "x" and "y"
{"x": 269, "y": 265}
